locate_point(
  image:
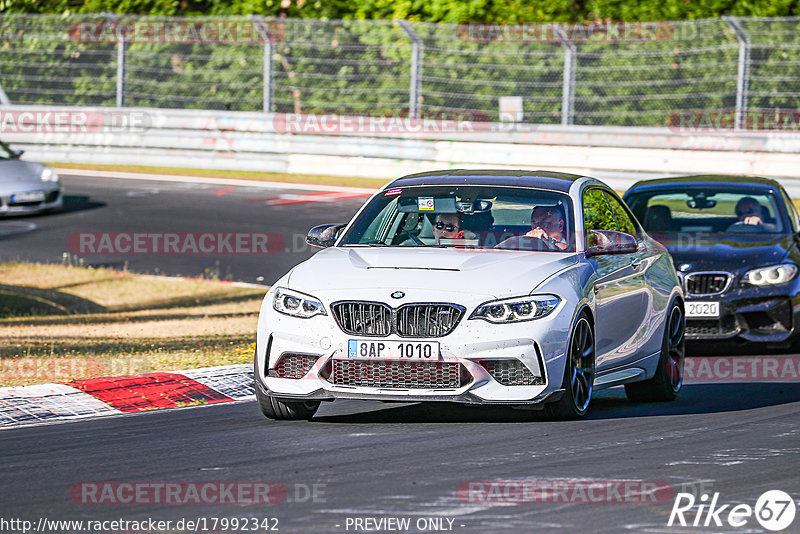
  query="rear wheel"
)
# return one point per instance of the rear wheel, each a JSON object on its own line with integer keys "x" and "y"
{"x": 578, "y": 379}
{"x": 667, "y": 382}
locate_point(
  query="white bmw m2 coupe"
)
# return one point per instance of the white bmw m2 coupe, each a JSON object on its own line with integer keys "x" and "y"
{"x": 524, "y": 288}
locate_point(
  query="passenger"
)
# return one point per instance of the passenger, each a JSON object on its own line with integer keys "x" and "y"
{"x": 448, "y": 226}
{"x": 549, "y": 225}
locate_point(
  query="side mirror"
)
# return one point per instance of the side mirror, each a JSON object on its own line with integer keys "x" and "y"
{"x": 16, "y": 154}
{"x": 603, "y": 242}
{"x": 324, "y": 235}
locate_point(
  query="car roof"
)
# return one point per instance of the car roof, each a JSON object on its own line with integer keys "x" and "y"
{"x": 557, "y": 181}
{"x": 704, "y": 180}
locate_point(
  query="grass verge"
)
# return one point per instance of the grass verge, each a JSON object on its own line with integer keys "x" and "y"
{"x": 62, "y": 323}
{"x": 334, "y": 181}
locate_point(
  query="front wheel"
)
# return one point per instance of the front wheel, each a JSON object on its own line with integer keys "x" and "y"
{"x": 667, "y": 382}
{"x": 578, "y": 380}
{"x": 285, "y": 410}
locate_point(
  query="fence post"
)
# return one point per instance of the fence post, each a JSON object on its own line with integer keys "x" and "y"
{"x": 568, "y": 82}
{"x": 267, "y": 104}
{"x": 4, "y": 97}
{"x": 415, "y": 89}
{"x": 122, "y": 48}
{"x": 743, "y": 74}
{"x": 267, "y": 100}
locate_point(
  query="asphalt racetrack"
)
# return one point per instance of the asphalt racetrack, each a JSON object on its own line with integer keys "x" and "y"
{"x": 370, "y": 460}
{"x": 378, "y": 460}
{"x": 114, "y": 206}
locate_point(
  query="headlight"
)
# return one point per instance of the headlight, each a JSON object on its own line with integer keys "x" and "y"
{"x": 297, "y": 304}
{"x": 48, "y": 175}
{"x": 517, "y": 309}
{"x": 773, "y": 275}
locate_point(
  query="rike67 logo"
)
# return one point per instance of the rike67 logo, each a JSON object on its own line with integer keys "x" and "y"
{"x": 774, "y": 510}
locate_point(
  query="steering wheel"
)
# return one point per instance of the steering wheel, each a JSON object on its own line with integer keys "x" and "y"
{"x": 414, "y": 239}
{"x": 741, "y": 227}
{"x": 525, "y": 242}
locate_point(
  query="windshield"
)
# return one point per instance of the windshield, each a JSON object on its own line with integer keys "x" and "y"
{"x": 713, "y": 210}
{"x": 467, "y": 216}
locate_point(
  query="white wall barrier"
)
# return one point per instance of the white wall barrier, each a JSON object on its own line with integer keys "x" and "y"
{"x": 379, "y": 148}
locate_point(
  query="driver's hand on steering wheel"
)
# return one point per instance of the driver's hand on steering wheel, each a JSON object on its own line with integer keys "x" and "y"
{"x": 753, "y": 219}
{"x": 538, "y": 232}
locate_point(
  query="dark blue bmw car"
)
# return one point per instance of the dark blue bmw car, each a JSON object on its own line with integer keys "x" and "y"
{"x": 734, "y": 242}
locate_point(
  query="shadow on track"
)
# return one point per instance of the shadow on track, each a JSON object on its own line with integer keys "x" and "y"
{"x": 74, "y": 203}
{"x": 607, "y": 404}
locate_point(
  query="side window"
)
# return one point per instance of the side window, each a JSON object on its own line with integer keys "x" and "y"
{"x": 624, "y": 222}
{"x": 377, "y": 227}
{"x": 597, "y": 214}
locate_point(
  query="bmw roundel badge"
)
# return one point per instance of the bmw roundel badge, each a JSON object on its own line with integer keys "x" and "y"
{"x": 398, "y": 295}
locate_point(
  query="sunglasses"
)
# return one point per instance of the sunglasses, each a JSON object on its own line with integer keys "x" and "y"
{"x": 446, "y": 227}
{"x": 751, "y": 211}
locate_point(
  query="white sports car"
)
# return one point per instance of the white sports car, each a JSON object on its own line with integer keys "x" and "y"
{"x": 524, "y": 288}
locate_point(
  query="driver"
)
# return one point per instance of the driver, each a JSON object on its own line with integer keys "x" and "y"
{"x": 749, "y": 211}
{"x": 548, "y": 224}
{"x": 448, "y": 226}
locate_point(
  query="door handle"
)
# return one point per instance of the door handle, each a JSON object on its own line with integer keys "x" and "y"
{"x": 636, "y": 262}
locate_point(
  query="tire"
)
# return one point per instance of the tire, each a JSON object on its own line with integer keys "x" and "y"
{"x": 285, "y": 410}
{"x": 666, "y": 383}
{"x": 578, "y": 381}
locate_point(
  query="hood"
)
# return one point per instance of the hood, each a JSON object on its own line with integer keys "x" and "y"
{"x": 17, "y": 175}
{"x": 489, "y": 273}
{"x": 737, "y": 253}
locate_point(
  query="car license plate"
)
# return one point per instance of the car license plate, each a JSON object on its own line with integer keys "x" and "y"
{"x": 393, "y": 350}
{"x": 28, "y": 196}
{"x": 702, "y": 309}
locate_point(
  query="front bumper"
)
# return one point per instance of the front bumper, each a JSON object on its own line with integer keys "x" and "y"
{"x": 753, "y": 315}
{"x": 393, "y": 396}
{"x": 53, "y": 200}
{"x": 531, "y": 356}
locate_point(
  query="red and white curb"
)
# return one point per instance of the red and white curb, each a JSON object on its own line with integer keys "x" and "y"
{"x": 95, "y": 397}
{"x": 124, "y": 394}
